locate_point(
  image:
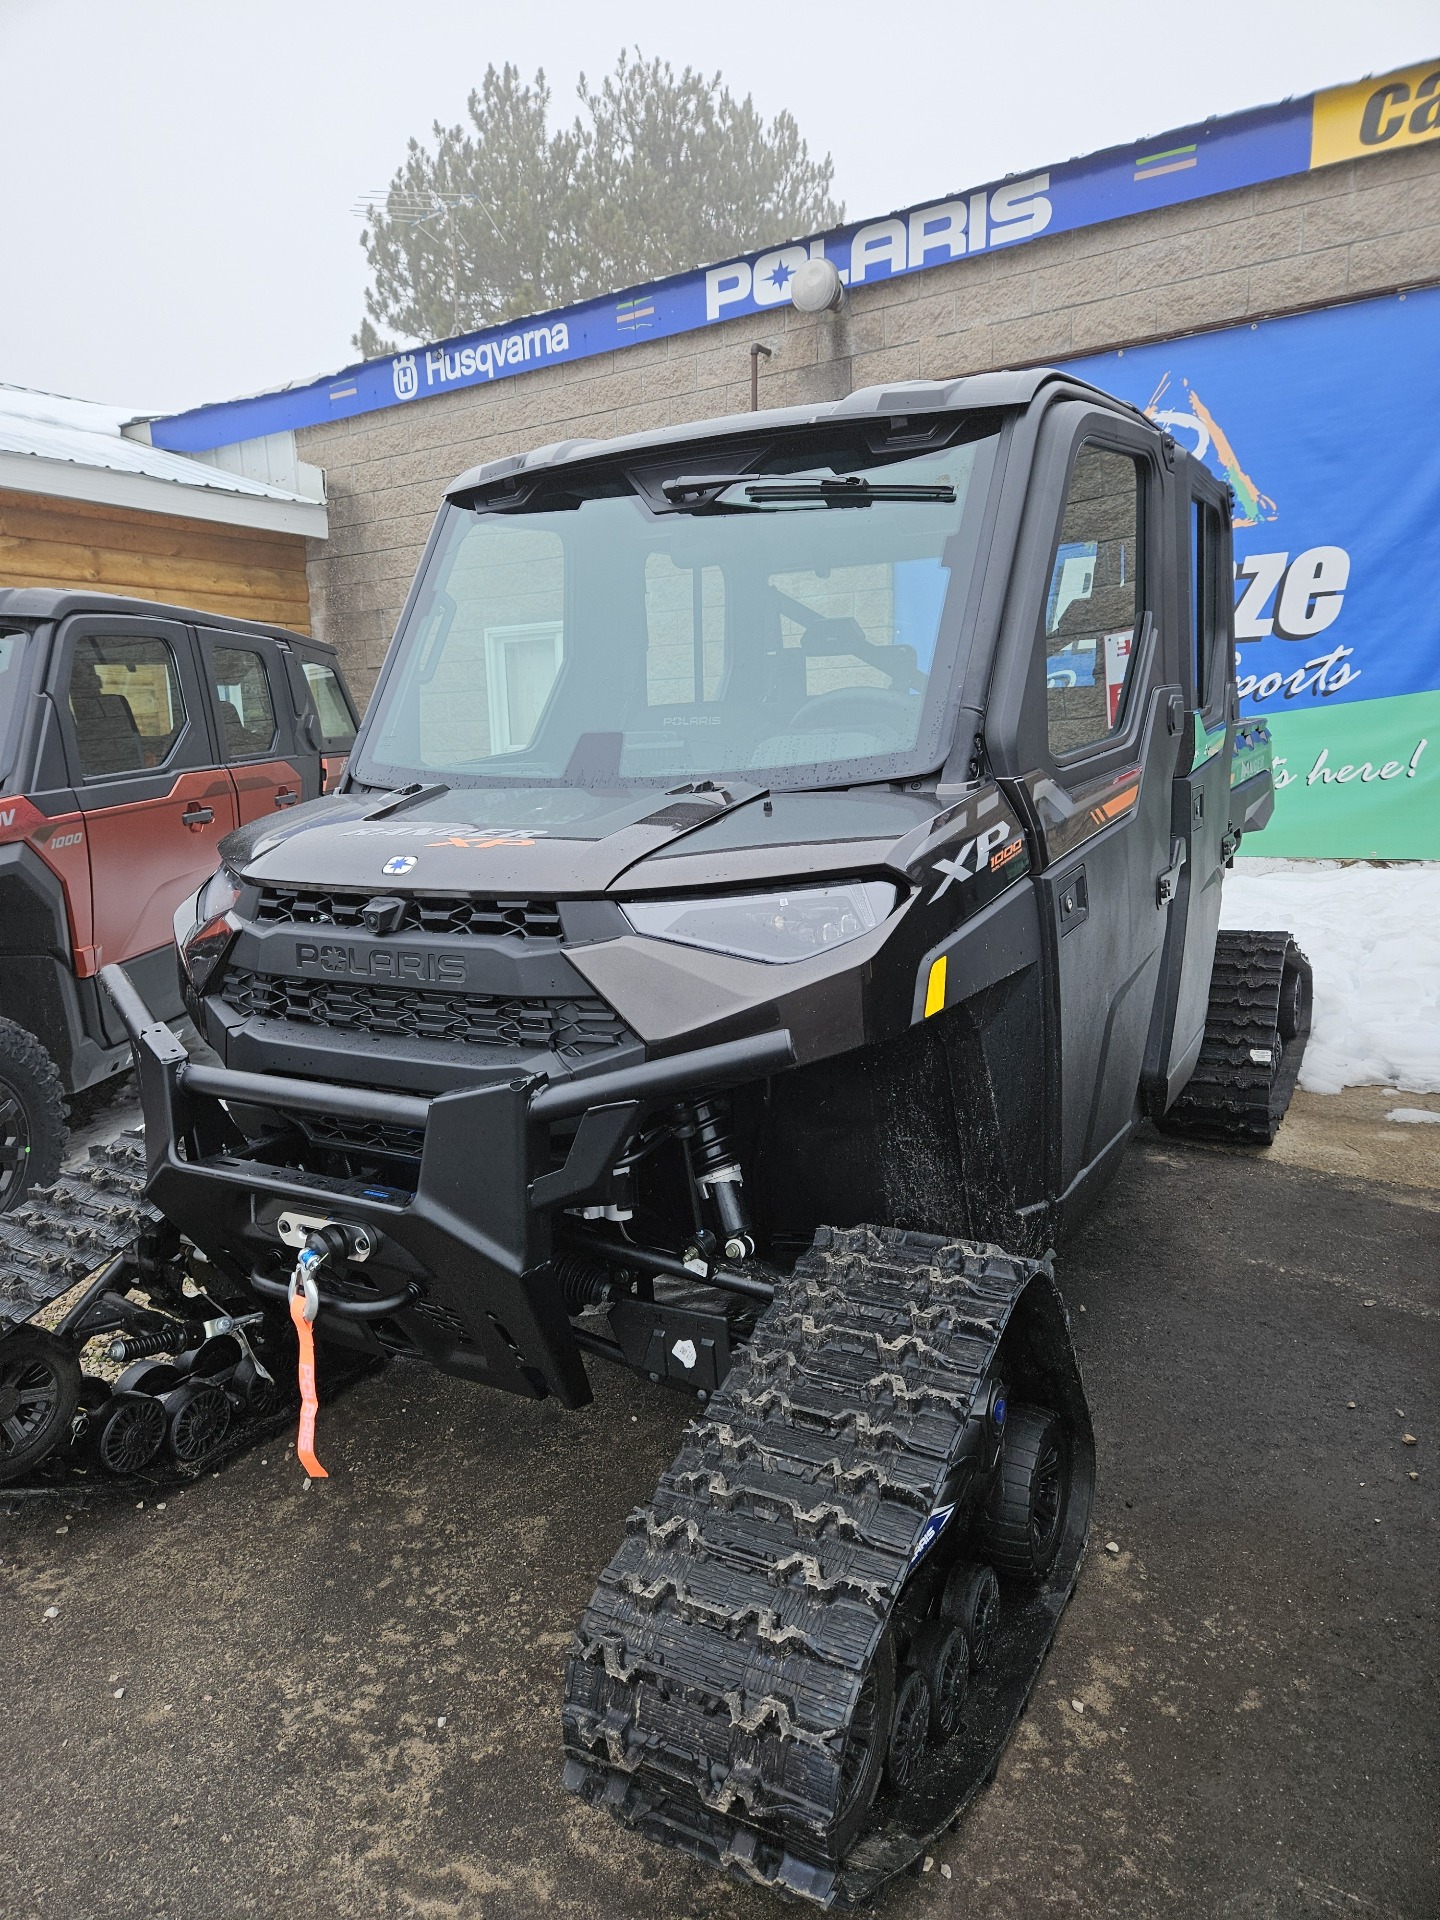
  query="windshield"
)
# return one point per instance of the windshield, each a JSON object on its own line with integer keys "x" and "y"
{"x": 604, "y": 633}
{"x": 13, "y": 686}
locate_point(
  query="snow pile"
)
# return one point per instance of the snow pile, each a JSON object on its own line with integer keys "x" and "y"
{"x": 1415, "y": 1116}
{"x": 1372, "y": 935}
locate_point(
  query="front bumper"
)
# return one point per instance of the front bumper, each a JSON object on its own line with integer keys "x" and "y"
{"x": 470, "y": 1248}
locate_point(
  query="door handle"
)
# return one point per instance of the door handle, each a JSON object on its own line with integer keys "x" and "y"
{"x": 194, "y": 816}
{"x": 1167, "y": 882}
{"x": 286, "y": 797}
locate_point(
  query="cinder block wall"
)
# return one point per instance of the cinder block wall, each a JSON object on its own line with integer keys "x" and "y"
{"x": 1340, "y": 233}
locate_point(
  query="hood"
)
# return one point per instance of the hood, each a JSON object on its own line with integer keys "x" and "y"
{"x": 562, "y": 841}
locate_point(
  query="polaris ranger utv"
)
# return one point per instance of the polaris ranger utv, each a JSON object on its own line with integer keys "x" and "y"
{"x": 133, "y": 738}
{"x": 780, "y": 866}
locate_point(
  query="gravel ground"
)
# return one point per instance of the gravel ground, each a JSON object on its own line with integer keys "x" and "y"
{"x": 263, "y": 1699}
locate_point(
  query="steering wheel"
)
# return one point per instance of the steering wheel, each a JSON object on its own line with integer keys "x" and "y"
{"x": 858, "y": 710}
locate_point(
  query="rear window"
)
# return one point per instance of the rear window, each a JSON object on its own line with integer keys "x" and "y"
{"x": 335, "y": 722}
{"x": 14, "y": 683}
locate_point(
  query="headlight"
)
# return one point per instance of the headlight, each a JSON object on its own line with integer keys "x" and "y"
{"x": 794, "y": 925}
{"x": 213, "y": 929}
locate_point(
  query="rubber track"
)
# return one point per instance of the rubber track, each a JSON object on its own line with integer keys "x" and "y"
{"x": 61, "y": 1234}
{"x": 719, "y": 1662}
{"x": 1234, "y": 1094}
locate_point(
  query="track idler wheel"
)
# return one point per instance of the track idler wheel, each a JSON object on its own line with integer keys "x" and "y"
{"x": 199, "y": 1418}
{"x": 129, "y": 1432}
{"x": 909, "y": 1732}
{"x": 867, "y": 1748}
{"x": 39, "y": 1393}
{"x": 971, "y": 1601}
{"x": 942, "y": 1654}
{"x": 1021, "y": 1527}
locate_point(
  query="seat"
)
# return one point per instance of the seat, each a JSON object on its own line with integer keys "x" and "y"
{"x": 105, "y": 729}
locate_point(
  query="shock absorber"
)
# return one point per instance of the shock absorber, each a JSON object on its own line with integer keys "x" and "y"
{"x": 139, "y": 1346}
{"x": 716, "y": 1167}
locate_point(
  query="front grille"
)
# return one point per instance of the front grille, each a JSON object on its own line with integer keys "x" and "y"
{"x": 457, "y": 913}
{"x": 364, "y": 1136}
{"x": 572, "y": 1027}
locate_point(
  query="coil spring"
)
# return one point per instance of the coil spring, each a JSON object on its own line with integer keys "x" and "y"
{"x": 141, "y": 1345}
{"x": 711, "y": 1144}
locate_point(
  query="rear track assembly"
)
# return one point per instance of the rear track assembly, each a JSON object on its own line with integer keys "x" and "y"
{"x": 1256, "y": 1027}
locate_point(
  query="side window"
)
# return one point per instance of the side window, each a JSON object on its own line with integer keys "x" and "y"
{"x": 337, "y": 729}
{"x": 1093, "y": 608}
{"x": 242, "y": 700}
{"x": 1206, "y": 607}
{"x": 126, "y": 704}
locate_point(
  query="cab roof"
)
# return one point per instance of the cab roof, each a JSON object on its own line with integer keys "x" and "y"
{"x": 970, "y": 393}
{"x": 58, "y": 603}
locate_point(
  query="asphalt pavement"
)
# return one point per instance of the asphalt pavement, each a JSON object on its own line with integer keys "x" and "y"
{"x": 263, "y": 1699}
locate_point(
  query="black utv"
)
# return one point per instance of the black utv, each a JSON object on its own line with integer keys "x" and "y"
{"x": 779, "y": 868}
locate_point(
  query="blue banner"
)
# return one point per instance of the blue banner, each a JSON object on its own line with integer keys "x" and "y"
{"x": 1324, "y": 425}
{"x": 1188, "y": 164}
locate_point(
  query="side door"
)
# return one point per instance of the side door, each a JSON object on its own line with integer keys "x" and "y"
{"x": 1101, "y": 798}
{"x": 1200, "y": 809}
{"x": 142, "y": 762}
{"x": 254, "y": 720}
{"x": 328, "y": 698}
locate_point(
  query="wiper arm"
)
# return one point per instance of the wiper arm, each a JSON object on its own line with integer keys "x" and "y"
{"x": 848, "y": 490}
{"x": 401, "y": 801}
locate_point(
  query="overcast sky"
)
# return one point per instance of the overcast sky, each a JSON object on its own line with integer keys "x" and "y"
{"x": 178, "y": 175}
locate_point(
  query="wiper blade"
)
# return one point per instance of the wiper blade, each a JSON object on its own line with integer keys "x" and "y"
{"x": 848, "y": 490}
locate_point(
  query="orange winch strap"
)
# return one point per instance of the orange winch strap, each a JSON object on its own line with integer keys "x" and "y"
{"x": 309, "y": 1399}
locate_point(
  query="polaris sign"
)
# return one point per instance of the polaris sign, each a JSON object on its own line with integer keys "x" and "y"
{"x": 1214, "y": 158}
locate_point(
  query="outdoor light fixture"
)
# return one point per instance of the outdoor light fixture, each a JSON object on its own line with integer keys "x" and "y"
{"x": 817, "y": 287}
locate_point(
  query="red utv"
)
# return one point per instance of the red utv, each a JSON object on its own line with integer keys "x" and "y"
{"x": 133, "y": 737}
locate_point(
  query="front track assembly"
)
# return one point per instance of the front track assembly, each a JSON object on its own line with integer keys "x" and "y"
{"x": 811, "y": 1648}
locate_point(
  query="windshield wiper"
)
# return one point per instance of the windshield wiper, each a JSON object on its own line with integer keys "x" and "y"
{"x": 401, "y": 800}
{"x": 848, "y": 490}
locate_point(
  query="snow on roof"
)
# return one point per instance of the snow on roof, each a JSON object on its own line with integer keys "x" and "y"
{"x": 51, "y": 426}
{"x": 51, "y": 443}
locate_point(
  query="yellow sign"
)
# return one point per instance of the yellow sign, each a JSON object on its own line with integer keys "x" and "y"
{"x": 1376, "y": 116}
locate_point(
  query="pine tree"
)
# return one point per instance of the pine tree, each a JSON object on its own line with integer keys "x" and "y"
{"x": 503, "y": 218}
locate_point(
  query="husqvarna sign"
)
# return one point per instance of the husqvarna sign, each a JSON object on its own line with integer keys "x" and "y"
{"x": 1189, "y": 164}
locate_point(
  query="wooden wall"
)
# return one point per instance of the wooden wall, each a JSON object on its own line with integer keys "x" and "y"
{"x": 251, "y": 575}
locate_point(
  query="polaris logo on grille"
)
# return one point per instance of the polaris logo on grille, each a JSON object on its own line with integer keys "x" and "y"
{"x": 380, "y": 963}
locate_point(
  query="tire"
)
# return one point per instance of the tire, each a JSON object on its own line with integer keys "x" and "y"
{"x": 32, "y": 1115}
{"x": 39, "y": 1392}
{"x": 1025, "y": 1520}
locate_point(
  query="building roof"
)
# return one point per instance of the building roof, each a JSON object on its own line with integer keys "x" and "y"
{"x": 80, "y": 450}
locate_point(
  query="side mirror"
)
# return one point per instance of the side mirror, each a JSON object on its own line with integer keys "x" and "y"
{"x": 310, "y": 732}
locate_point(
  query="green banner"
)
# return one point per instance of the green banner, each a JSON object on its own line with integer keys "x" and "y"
{"x": 1356, "y": 782}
